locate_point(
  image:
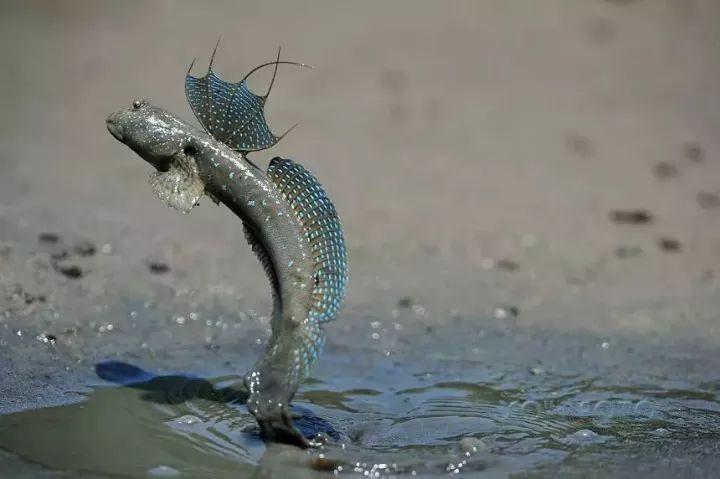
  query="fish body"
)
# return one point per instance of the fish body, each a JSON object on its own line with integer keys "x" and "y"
{"x": 289, "y": 221}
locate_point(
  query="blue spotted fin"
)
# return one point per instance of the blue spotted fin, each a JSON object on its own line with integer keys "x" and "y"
{"x": 322, "y": 226}
{"x": 230, "y": 112}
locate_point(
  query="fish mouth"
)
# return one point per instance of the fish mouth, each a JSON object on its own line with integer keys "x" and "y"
{"x": 114, "y": 128}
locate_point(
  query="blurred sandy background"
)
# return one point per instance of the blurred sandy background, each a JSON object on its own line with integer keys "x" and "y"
{"x": 474, "y": 150}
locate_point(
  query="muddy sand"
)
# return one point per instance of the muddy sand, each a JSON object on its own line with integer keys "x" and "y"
{"x": 531, "y": 200}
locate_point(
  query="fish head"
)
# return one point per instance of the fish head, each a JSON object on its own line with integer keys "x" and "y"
{"x": 168, "y": 144}
{"x": 152, "y": 132}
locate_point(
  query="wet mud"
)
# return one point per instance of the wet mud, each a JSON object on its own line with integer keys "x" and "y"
{"x": 530, "y": 200}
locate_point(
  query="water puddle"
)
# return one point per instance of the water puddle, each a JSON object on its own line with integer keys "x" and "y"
{"x": 412, "y": 416}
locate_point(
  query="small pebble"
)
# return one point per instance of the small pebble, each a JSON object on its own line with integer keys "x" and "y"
{"x": 506, "y": 265}
{"x": 709, "y": 201}
{"x": 47, "y": 338}
{"x": 694, "y": 152}
{"x": 669, "y": 245}
{"x": 472, "y": 445}
{"x": 634, "y": 217}
{"x": 49, "y": 238}
{"x": 505, "y": 312}
{"x": 70, "y": 271}
{"x": 405, "y": 302}
{"x": 85, "y": 248}
{"x": 322, "y": 463}
{"x": 106, "y": 248}
{"x": 665, "y": 170}
{"x": 158, "y": 267}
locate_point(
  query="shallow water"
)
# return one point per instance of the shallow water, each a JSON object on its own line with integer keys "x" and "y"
{"x": 582, "y": 407}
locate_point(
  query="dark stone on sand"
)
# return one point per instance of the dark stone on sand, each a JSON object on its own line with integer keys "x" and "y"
{"x": 506, "y": 312}
{"x": 69, "y": 271}
{"x": 158, "y": 267}
{"x": 694, "y": 152}
{"x": 670, "y": 245}
{"x": 405, "y": 302}
{"x": 49, "y": 238}
{"x": 85, "y": 248}
{"x": 664, "y": 170}
{"x": 708, "y": 201}
{"x": 631, "y": 217}
{"x": 506, "y": 265}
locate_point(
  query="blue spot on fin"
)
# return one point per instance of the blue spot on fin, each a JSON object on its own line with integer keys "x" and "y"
{"x": 324, "y": 231}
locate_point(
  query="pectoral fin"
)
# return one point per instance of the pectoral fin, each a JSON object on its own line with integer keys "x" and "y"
{"x": 180, "y": 187}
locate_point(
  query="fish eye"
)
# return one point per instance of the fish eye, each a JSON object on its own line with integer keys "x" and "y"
{"x": 137, "y": 104}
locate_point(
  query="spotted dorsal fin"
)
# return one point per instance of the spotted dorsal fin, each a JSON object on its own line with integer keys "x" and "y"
{"x": 230, "y": 112}
{"x": 322, "y": 226}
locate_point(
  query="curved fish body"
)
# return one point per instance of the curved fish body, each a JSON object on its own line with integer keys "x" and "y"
{"x": 289, "y": 221}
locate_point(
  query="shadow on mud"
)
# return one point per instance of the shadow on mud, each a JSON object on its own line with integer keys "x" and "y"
{"x": 177, "y": 388}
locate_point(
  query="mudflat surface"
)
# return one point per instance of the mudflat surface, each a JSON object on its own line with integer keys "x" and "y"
{"x": 522, "y": 184}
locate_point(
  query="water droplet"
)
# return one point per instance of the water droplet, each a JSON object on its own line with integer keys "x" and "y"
{"x": 188, "y": 420}
{"x": 163, "y": 471}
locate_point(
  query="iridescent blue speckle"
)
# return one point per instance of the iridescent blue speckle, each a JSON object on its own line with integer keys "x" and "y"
{"x": 324, "y": 232}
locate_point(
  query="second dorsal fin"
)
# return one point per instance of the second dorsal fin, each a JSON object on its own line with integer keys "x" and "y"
{"x": 322, "y": 226}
